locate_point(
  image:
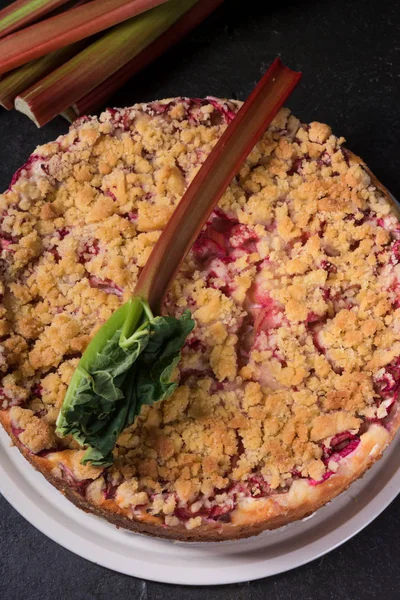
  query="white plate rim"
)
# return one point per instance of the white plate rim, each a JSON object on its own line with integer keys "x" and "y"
{"x": 47, "y": 510}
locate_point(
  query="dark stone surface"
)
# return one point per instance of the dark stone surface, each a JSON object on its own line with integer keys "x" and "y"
{"x": 349, "y": 53}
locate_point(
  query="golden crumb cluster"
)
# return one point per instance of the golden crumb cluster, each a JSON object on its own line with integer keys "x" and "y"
{"x": 293, "y": 284}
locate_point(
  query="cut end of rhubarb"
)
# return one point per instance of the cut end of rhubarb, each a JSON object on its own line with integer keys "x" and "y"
{"x": 6, "y": 104}
{"x": 63, "y": 87}
{"x": 22, "y": 106}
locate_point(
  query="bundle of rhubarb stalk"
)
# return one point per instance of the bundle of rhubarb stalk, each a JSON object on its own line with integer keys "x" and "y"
{"x": 69, "y": 57}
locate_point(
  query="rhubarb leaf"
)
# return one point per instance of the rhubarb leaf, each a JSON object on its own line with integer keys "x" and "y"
{"x": 160, "y": 357}
{"x": 129, "y": 363}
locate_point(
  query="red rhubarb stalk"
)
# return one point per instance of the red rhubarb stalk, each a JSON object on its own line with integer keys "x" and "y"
{"x": 211, "y": 181}
{"x": 66, "y": 28}
{"x": 135, "y": 350}
{"x": 23, "y": 12}
{"x": 22, "y": 78}
{"x": 64, "y": 86}
{"x": 95, "y": 99}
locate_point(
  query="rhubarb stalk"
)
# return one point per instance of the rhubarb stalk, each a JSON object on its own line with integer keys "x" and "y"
{"x": 211, "y": 181}
{"x": 131, "y": 359}
{"x": 95, "y": 99}
{"x": 64, "y": 86}
{"x": 22, "y": 78}
{"x": 66, "y": 28}
{"x": 23, "y": 12}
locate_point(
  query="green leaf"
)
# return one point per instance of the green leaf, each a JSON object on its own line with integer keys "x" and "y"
{"x": 127, "y": 364}
{"x": 160, "y": 357}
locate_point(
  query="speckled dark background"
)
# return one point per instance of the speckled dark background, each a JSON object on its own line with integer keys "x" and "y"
{"x": 349, "y": 53}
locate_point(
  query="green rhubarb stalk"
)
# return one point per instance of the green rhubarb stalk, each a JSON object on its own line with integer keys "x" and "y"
{"x": 131, "y": 359}
{"x": 20, "y": 79}
{"x": 66, "y": 28}
{"x": 23, "y": 12}
{"x": 96, "y": 98}
{"x": 64, "y": 86}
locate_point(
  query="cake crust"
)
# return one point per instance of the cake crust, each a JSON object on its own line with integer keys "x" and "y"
{"x": 248, "y": 522}
{"x": 288, "y": 386}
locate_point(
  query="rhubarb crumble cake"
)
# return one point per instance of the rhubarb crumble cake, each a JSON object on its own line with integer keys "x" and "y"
{"x": 288, "y": 385}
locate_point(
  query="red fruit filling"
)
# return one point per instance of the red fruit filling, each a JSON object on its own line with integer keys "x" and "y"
{"x": 25, "y": 168}
{"x": 68, "y": 476}
{"x": 16, "y": 430}
{"x": 395, "y": 257}
{"x": 54, "y": 251}
{"x": 387, "y": 385}
{"x": 341, "y": 445}
{"x": 63, "y": 232}
{"x": 254, "y": 487}
{"x": 328, "y": 266}
{"x": 6, "y": 243}
{"x": 106, "y": 285}
{"x": 223, "y": 108}
{"x": 111, "y": 488}
{"x": 89, "y": 249}
{"x": 268, "y": 316}
{"x": 37, "y": 390}
{"x": 131, "y": 216}
{"x": 298, "y": 165}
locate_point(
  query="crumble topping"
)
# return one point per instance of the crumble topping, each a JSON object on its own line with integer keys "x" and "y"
{"x": 293, "y": 284}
